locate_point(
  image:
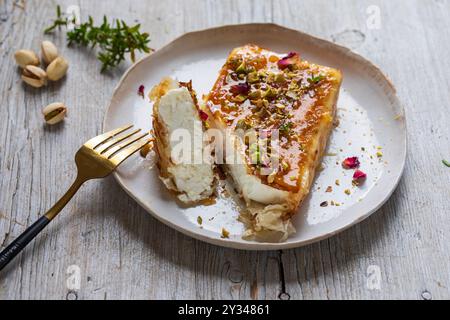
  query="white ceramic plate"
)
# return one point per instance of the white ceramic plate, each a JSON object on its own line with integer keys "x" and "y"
{"x": 371, "y": 117}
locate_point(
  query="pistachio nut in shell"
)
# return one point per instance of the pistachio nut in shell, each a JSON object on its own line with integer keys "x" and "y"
{"x": 54, "y": 112}
{"x": 26, "y": 57}
{"x": 57, "y": 69}
{"x": 49, "y": 52}
{"x": 34, "y": 76}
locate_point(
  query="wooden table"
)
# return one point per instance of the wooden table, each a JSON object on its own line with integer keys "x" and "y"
{"x": 121, "y": 252}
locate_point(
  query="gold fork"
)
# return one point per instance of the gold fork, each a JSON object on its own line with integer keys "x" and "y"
{"x": 97, "y": 158}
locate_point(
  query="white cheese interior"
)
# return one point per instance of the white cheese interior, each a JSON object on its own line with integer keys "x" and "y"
{"x": 249, "y": 185}
{"x": 193, "y": 178}
{"x": 266, "y": 204}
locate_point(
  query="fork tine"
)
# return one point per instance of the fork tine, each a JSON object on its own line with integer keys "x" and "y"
{"x": 123, "y": 154}
{"x": 98, "y": 140}
{"x": 115, "y": 140}
{"x": 112, "y": 151}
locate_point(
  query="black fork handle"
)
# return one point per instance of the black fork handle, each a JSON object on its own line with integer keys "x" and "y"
{"x": 21, "y": 242}
{"x": 32, "y": 231}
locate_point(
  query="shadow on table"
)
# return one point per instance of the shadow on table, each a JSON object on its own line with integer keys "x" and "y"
{"x": 233, "y": 273}
{"x": 345, "y": 256}
{"x": 262, "y": 274}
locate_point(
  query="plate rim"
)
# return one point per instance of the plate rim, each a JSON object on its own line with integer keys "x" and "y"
{"x": 251, "y": 245}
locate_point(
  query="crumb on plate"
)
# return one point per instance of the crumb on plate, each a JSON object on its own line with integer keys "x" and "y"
{"x": 225, "y": 233}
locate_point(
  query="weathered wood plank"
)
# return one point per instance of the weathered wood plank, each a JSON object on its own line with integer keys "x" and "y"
{"x": 124, "y": 253}
{"x": 408, "y": 238}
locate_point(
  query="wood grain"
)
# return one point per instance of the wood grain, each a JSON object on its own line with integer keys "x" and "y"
{"x": 123, "y": 253}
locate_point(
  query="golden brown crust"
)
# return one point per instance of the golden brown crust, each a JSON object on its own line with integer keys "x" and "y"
{"x": 159, "y": 130}
{"x": 254, "y": 92}
{"x": 261, "y": 89}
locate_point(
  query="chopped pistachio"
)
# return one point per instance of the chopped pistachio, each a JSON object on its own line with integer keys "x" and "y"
{"x": 240, "y": 98}
{"x": 252, "y": 77}
{"x": 379, "y": 154}
{"x": 271, "y": 77}
{"x": 293, "y": 86}
{"x": 234, "y": 61}
{"x": 199, "y": 220}
{"x": 249, "y": 69}
{"x": 292, "y": 178}
{"x": 255, "y": 94}
{"x": 292, "y": 95}
{"x": 446, "y": 163}
{"x": 284, "y": 165}
{"x": 270, "y": 93}
{"x": 262, "y": 74}
{"x": 279, "y": 77}
{"x": 347, "y": 191}
{"x": 241, "y": 68}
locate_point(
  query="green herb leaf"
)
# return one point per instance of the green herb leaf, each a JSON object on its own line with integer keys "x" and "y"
{"x": 446, "y": 163}
{"x": 115, "y": 39}
{"x": 285, "y": 127}
{"x": 315, "y": 79}
{"x": 255, "y": 154}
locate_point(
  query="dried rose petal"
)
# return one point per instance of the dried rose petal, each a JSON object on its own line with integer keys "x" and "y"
{"x": 288, "y": 60}
{"x": 291, "y": 54}
{"x": 359, "y": 177}
{"x": 203, "y": 115}
{"x": 351, "y": 163}
{"x": 241, "y": 88}
{"x": 141, "y": 90}
{"x": 283, "y": 63}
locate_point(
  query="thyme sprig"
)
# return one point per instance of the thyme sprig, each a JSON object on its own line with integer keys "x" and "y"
{"x": 115, "y": 39}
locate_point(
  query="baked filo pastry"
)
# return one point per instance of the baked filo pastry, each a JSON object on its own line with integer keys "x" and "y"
{"x": 271, "y": 93}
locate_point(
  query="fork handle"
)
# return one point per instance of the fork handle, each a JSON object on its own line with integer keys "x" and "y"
{"x": 17, "y": 245}
{"x": 32, "y": 231}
